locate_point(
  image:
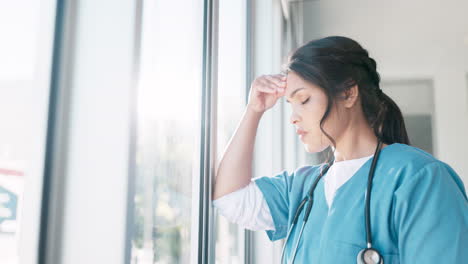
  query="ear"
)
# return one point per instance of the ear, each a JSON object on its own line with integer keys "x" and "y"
{"x": 350, "y": 96}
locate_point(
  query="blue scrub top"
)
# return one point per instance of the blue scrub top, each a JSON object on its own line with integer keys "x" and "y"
{"x": 419, "y": 211}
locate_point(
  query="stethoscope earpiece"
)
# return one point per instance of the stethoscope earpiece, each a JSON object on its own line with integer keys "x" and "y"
{"x": 369, "y": 256}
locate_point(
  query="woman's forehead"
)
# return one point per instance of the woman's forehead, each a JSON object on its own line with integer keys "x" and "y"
{"x": 294, "y": 82}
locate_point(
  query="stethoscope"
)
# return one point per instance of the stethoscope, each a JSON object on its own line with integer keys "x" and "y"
{"x": 368, "y": 255}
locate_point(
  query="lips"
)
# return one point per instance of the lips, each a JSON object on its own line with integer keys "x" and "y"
{"x": 300, "y": 132}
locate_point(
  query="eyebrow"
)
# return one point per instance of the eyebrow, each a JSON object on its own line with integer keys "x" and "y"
{"x": 293, "y": 93}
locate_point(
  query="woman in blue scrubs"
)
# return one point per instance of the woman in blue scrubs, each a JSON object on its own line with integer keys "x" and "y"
{"x": 401, "y": 206}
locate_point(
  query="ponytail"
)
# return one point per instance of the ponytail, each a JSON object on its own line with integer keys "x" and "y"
{"x": 389, "y": 125}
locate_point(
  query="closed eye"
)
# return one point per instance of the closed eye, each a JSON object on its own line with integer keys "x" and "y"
{"x": 306, "y": 101}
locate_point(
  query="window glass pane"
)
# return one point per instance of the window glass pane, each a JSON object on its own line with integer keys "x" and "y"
{"x": 19, "y": 27}
{"x": 169, "y": 98}
{"x": 26, "y": 30}
{"x": 231, "y": 104}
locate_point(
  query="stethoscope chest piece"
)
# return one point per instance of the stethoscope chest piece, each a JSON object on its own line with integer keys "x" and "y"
{"x": 369, "y": 256}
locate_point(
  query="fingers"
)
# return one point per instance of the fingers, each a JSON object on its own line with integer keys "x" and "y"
{"x": 277, "y": 82}
{"x": 271, "y": 87}
{"x": 267, "y": 87}
{"x": 272, "y": 84}
{"x": 277, "y": 79}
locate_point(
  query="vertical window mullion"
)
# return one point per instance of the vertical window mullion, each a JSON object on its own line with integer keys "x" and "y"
{"x": 208, "y": 135}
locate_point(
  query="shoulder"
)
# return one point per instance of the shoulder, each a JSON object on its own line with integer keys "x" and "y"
{"x": 289, "y": 178}
{"x": 408, "y": 164}
{"x": 308, "y": 170}
{"x": 405, "y": 159}
{"x": 408, "y": 155}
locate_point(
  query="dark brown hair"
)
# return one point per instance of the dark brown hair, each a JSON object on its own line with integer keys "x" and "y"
{"x": 336, "y": 64}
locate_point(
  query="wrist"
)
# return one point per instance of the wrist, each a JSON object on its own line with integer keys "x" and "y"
{"x": 251, "y": 111}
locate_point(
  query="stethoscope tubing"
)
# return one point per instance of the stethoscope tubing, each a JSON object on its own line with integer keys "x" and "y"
{"x": 309, "y": 198}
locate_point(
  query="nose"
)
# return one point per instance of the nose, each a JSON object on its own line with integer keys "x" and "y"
{"x": 294, "y": 118}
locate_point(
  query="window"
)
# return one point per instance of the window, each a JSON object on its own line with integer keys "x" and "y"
{"x": 231, "y": 103}
{"x": 27, "y": 30}
{"x": 169, "y": 98}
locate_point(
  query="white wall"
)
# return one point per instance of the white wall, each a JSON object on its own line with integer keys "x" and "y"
{"x": 411, "y": 40}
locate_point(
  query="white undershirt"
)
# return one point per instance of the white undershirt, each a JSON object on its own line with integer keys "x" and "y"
{"x": 339, "y": 173}
{"x": 248, "y": 208}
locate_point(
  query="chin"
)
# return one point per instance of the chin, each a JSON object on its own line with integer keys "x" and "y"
{"x": 310, "y": 148}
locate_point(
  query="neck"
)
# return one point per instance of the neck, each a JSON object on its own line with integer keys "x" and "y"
{"x": 357, "y": 141}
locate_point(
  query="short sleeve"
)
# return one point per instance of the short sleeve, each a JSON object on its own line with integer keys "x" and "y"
{"x": 276, "y": 191}
{"x": 246, "y": 207}
{"x": 431, "y": 216}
